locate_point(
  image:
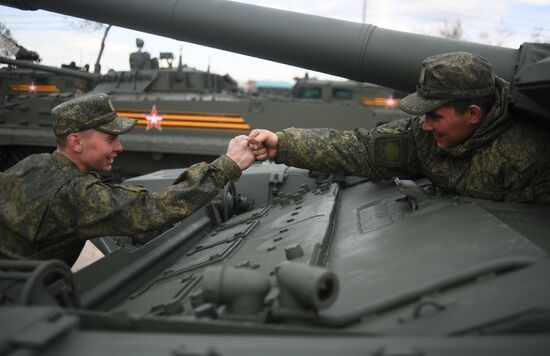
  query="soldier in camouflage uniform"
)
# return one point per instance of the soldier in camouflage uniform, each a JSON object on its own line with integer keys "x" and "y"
{"x": 51, "y": 203}
{"x": 463, "y": 138}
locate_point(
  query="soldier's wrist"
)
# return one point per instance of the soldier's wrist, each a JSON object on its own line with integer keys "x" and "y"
{"x": 280, "y": 156}
{"x": 230, "y": 168}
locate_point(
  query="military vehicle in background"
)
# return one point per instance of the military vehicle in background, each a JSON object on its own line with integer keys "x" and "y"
{"x": 288, "y": 261}
{"x": 27, "y": 95}
{"x": 185, "y": 115}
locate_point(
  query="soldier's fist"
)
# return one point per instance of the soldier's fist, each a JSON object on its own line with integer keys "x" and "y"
{"x": 239, "y": 152}
{"x": 263, "y": 144}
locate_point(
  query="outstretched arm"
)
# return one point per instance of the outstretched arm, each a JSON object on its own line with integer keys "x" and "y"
{"x": 106, "y": 209}
{"x": 380, "y": 153}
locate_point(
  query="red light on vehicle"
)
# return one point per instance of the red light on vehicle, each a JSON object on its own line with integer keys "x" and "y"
{"x": 32, "y": 88}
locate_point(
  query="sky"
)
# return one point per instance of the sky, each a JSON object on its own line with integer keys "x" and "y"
{"x": 499, "y": 22}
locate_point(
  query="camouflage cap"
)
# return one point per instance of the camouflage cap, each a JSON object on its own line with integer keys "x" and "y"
{"x": 447, "y": 77}
{"x": 93, "y": 111}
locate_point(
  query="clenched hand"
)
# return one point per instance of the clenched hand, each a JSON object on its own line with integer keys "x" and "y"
{"x": 263, "y": 144}
{"x": 240, "y": 152}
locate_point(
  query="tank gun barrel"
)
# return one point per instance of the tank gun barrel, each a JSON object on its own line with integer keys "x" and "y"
{"x": 67, "y": 72}
{"x": 360, "y": 52}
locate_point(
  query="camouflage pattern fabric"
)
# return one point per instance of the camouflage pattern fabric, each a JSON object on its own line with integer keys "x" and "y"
{"x": 89, "y": 111}
{"x": 449, "y": 76}
{"x": 48, "y": 208}
{"x": 506, "y": 159}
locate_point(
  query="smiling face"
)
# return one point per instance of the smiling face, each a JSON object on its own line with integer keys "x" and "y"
{"x": 97, "y": 150}
{"x": 449, "y": 127}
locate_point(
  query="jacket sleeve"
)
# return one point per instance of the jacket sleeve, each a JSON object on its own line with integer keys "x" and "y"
{"x": 109, "y": 209}
{"x": 383, "y": 152}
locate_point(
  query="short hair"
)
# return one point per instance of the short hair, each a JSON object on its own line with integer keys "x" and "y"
{"x": 61, "y": 141}
{"x": 462, "y": 105}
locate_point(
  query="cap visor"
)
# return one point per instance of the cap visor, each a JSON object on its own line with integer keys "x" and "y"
{"x": 118, "y": 126}
{"x": 414, "y": 104}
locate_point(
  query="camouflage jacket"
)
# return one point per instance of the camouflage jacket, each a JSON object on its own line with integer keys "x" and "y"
{"x": 48, "y": 208}
{"x": 506, "y": 159}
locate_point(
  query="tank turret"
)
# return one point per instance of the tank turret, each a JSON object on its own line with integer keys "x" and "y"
{"x": 75, "y": 73}
{"x": 360, "y": 52}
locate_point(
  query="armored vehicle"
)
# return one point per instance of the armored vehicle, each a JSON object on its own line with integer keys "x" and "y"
{"x": 288, "y": 261}
{"x": 27, "y": 95}
{"x": 185, "y": 115}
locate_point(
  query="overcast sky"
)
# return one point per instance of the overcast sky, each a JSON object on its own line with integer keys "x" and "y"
{"x": 502, "y": 22}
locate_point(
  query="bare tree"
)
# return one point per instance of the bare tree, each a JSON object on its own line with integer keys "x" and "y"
{"x": 78, "y": 25}
{"x": 8, "y": 46}
{"x": 497, "y": 37}
{"x": 452, "y": 30}
{"x": 90, "y": 26}
{"x": 97, "y": 66}
{"x": 536, "y": 35}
